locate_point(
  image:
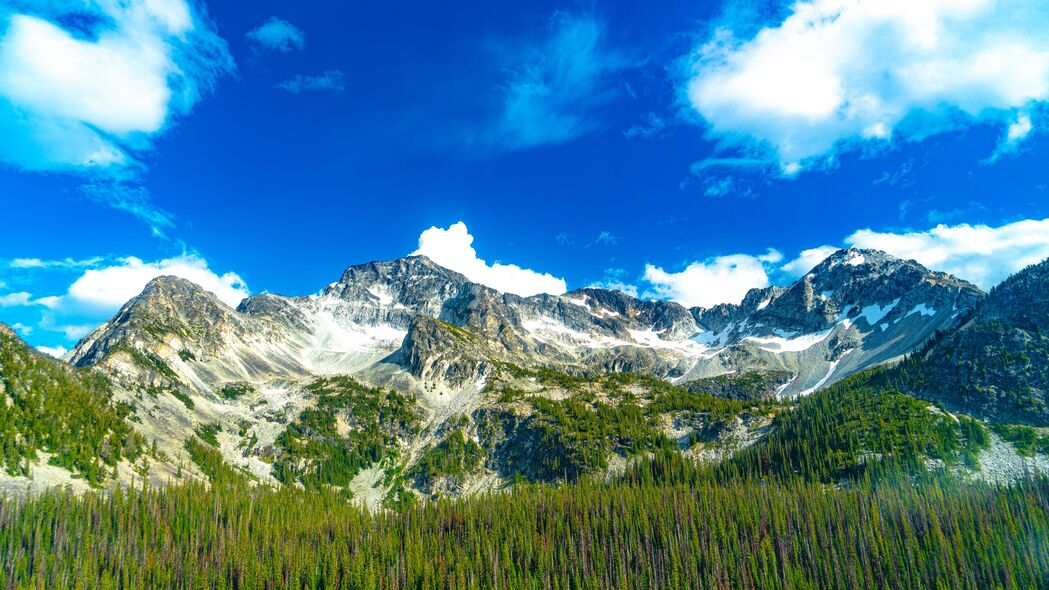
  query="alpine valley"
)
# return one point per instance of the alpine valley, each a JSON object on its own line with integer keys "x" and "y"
{"x": 875, "y": 424}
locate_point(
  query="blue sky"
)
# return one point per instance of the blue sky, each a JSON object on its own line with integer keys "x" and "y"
{"x": 688, "y": 151}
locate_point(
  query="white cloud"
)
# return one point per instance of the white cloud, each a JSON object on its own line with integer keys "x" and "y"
{"x": 807, "y": 260}
{"x": 555, "y": 88}
{"x": 16, "y": 299}
{"x": 837, "y": 72}
{"x": 1015, "y": 134}
{"x": 55, "y": 351}
{"x": 452, "y": 248}
{"x": 722, "y": 279}
{"x": 615, "y": 279}
{"x": 99, "y": 292}
{"x": 1019, "y": 129}
{"x": 72, "y": 332}
{"x": 130, "y": 199}
{"x": 65, "y": 263}
{"x": 59, "y": 104}
{"x": 981, "y": 254}
{"x": 330, "y": 81}
{"x": 110, "y": 287}
{"x": 22, "y": 329}
{"x": 277, "y": 35}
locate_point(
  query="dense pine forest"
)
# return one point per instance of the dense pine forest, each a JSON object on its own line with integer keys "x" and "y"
{"x": 651, "y": 530}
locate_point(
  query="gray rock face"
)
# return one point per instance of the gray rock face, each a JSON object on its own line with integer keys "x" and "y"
{"x": 395, "y": 292}
{"x": 857, "y": 308}
{"x": 996, "y": 364}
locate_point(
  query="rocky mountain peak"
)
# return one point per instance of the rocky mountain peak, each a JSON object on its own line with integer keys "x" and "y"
{"x": 411, "y": 274}
{"x": 169, "y": 310}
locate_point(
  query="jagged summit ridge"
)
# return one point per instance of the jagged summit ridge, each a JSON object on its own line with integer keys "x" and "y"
{"x": 856, "y": 308}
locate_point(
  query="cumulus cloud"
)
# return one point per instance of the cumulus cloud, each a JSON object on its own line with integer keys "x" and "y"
{"x": 276, "y": 35}
{"x": 452, "y": 248}
{"x": 981, "y": 254}
{"x": 55, "y": 351}
{"x": 109, "y": 287}
{"x": 721, "y": 279}
{"x": 835, "y": 73}
{"x": 555, "y": 88}
{"x": 807, "y": 260}
{"x": 329, "y": 81}
{"x": 87, "y": 99}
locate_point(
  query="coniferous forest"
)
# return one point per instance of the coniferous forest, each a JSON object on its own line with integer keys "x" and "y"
{"x": 668, "y": 524}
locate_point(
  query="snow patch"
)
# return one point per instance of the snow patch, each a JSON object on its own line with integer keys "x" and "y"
{"x": 580, "y": 302}
{"x": 876, "y": 313}
{"x": 922, "y": 309}
{"x": 780, "y": 344}
{"x": 651, "y": 339}
{"x": 856, "y": 259}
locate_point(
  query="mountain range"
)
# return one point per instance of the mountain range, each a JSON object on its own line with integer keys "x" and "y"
{"x": 397, "y": 366}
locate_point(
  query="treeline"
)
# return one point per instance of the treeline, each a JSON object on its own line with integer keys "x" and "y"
{"x": 640, "y": 534}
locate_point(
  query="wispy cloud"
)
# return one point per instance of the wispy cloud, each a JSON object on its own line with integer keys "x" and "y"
{"x": 276, "y": 35}
{"x": 555, "y": 88}
{"x": 729, "y": 177}
{"x": 829, "y": 75}
{"x": 652, "y": 125}
{"x": 135, "y": 200}
{"x": 605, "y": 238}
{"x": 329, "y": 81}
{"x": 65, "y": 263}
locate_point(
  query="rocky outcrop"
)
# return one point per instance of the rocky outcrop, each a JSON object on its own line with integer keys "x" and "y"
{"x": 996, "y": 364}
